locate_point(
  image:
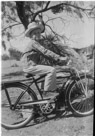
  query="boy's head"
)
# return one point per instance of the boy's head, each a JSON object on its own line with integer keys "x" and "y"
{"x": 34, "y": 29}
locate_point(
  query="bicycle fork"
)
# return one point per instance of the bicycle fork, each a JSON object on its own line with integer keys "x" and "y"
{"x": 84, "y": 89}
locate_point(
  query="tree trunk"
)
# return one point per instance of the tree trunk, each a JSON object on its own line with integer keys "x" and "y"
{"x": 21, "y": 13}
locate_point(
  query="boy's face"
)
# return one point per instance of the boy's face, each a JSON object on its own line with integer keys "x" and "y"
{"x": 35, "y": 34}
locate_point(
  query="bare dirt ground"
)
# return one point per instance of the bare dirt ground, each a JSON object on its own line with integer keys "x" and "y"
{"x": 62, "y": 126}
{"x": 65, "y": 126}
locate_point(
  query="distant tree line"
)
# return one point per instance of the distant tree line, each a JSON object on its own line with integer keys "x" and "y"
{"x": 13, "y": 54}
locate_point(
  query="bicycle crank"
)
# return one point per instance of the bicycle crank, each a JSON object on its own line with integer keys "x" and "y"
{"x": 47, "y": 109}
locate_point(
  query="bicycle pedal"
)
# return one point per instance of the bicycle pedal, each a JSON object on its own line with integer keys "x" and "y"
{"x": 52, "y": 100}
{"x": 61, "y": 109}
{"x": 40, "y": 119}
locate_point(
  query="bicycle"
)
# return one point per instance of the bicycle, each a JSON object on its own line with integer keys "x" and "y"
{"x": 19, "y": 98}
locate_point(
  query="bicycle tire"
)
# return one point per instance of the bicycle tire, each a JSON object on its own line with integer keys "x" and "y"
{"x": 79, "y": 105}
{"x": 6, "y": 113}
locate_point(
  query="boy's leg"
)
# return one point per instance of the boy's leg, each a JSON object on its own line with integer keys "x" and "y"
{"x": 50, "y": 79}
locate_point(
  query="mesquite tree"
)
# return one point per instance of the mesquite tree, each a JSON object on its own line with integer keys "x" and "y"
{"x": 24, "y": 12}
{"x": 15, "y": 13}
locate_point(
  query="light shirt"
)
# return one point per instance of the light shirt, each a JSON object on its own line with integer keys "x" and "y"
{"x": 32, "y": 54}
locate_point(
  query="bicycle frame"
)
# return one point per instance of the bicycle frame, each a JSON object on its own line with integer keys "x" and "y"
{"x": 26, "y": 104}
{"x": 31, "y": 81}
{"x": 37, "y": 80}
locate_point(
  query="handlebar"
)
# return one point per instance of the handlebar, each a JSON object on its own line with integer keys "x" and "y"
{"x": 73, "y": 71}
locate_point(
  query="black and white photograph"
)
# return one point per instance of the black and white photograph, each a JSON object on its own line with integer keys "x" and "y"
{"x": 47, "y": 68}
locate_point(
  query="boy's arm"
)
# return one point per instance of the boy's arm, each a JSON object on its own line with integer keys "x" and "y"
{"x": 46, "y": 52}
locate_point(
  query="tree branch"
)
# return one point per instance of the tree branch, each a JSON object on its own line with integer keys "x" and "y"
{"x": 12, "y": 19}
{"x": 40, "y": 11}
{"x": 47, "y": 4}
{"x": 21, "y": 13}
{"x": 10, "y": 26}
{"x": 54, "y": 31}
{"x": 55, "y": 18}
{"x": 64, "y": 4}
{"x": 77, "y": 7}
{"x": 63, "y": 36}
{"x": 19, "y": 34}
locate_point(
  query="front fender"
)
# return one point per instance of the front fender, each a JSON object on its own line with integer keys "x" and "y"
{"x": 72, "y": 81}
{"x": 67, "y": 85}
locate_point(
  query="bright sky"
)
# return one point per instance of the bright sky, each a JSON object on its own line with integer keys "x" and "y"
{"x": 80, "y": 33}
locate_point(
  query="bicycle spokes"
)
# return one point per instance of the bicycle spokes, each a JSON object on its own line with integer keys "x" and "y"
{"x": 82, "y": 100}
{"x": 13, "y": 112}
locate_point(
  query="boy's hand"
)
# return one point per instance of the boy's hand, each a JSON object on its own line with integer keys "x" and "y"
{"x": 63, "y": 60}
{"x": 74, "y": 71}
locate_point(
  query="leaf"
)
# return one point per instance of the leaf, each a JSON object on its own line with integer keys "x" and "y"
{"x": 39, "y": 3}
{"x": 57, "y": 9}
{"x": 81, "y": 3}
{"x": 78, "y": 13}
{"x": 69, "y": 9}
{"x": 8, "y": 35}
{"x": 4, "y": 45}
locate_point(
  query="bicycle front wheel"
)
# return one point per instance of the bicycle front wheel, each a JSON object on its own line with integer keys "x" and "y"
{"x": 13, "y": 112}
{"x": 80, "y": 96}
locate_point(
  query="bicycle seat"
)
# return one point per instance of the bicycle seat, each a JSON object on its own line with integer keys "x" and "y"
{"x": 28, "y": 75}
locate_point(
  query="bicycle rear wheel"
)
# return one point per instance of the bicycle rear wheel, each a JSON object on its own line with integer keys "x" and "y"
{"x": 13, "y": 113}
{"x": 80, "y": 96}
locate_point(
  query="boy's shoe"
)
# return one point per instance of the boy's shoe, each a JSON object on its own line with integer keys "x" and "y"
{"x": 38, "y": 117}
{"x": 58, "y": 90}
{"x": 35, "y": 115}
{"x": 49, "y": 94}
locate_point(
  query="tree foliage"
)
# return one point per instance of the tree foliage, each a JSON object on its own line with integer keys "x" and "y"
{"x": 15, "y": 13}
{"x": 27, "y": 11}
{"x": 5, "y": 57}
{"x": 4, "y": 45}
{"x": 52, "y": 43}
{"x": 15, "y": 54}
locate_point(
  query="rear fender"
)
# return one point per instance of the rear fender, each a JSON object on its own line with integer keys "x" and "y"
{"x": 67, "y": 87}
{"x": 6, "y": 84}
